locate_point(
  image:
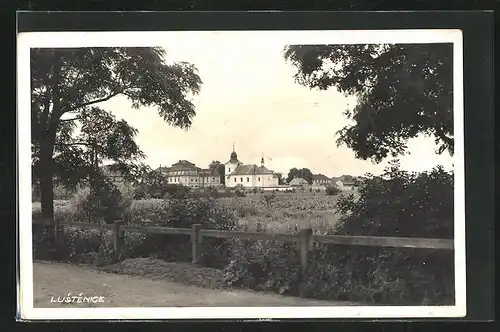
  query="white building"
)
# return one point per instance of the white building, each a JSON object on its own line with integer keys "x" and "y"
{"x": 250, "y": 175}
{"x": 188, "y": 174}
{"x": 321, "y": 182}
{"x": 344, "y": 182}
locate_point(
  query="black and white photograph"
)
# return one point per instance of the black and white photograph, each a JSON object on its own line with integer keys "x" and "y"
{"x": 241, "y": 174}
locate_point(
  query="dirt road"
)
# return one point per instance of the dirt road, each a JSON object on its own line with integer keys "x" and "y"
{"x": 53, "y": 280}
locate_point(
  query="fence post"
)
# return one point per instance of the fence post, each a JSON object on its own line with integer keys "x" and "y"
{"x": 195, "y": 242}
{"x": 305, "y": 242}
{"x": 117, "y": 239}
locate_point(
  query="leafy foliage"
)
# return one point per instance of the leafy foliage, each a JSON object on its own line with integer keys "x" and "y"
{"x": 102, "y": 203}
{"x": 399, "y": 203}
{"x": 281, "y": 180}
{"x": 333, "y": 190}
{"x": 220, "y": 169}
{"x": 403, "y": 90}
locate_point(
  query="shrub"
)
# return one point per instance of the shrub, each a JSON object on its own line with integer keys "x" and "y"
{"x": 106, "y": 203}
{"x": 396, "y": 204}
{"x": 407, "y": 205}
{"x": 62, "y": 193}
{"x": 75, "y": 245}
{"x": 176, "y": 191}
{"x": 239, "y": 193}
{"x": 333, "y": 190}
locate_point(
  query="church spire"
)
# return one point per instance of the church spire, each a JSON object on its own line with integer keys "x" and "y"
{"x": 262, "y": 160}
{"x": 234, "y": 156}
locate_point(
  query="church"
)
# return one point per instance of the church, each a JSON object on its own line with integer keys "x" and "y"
{"x": 248, "y": 176}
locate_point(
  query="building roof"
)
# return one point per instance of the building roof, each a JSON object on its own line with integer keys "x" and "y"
{"x": 163, "y": 169}
{"x": 320, "y": 177}
{"x": 298, "y": 182}
{"x": 183, "y": 165}
{"x": 346, "y": 179}
{"x": 250, "y": 170}
{"x": 208, "y": 171}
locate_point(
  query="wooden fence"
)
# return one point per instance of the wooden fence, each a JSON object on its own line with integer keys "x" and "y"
{"x": 305, "y": 238}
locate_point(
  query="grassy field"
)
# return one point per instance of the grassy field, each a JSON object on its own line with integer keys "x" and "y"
{"x": 283, "y": 212}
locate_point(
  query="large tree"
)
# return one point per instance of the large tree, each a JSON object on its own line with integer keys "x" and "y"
{"x": 219, "y": 169}
{"x": 67, "y": 81}
{"x": 403, "y": 90}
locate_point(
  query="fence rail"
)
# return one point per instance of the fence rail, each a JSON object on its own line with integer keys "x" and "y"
{"x": 305, "y": 238}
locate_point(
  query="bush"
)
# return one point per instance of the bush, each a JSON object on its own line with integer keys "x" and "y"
{"x": 62, "y": 193}
{"x": 239, "y": 193}
{"x": 397, "y": 204}
{"x": 105, "y": 204}
{"x": 176, "y": 191}
{"x": 95, "y": 247}
{"x": 76, "y": 245}
{"x": 333, "y": 190}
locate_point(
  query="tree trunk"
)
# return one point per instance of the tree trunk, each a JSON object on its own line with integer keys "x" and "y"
{"x": 46, "y": 174}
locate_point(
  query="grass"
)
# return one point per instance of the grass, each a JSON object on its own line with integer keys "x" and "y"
{"x": 287, "y": 210}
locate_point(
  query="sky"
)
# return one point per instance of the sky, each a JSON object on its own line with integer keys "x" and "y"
{"x": 249, "y": 98}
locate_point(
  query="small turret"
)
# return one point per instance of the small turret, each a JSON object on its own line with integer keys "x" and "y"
{"x": 233, "y": 157}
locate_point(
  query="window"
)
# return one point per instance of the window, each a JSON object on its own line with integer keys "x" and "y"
{"x": 241, "y": 179}
{"x": 258, "y": 179}
{"x": 248, "y": 179}
{"x": 234, "y": 179}
{"x": 229, "y": 170}
{"x": 213, "y": 179}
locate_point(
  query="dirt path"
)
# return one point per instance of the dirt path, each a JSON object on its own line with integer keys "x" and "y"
{"x": 53, "y": 280}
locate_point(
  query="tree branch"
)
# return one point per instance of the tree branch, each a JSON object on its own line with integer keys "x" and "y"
{"x": 72, "y": 119}
{"x": 71, "y": 144}
{"x": 95, "y": 101}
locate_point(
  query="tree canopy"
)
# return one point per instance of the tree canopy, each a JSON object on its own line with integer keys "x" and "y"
{"x": 71, "y": 81}
{"x": 403, "y": 90}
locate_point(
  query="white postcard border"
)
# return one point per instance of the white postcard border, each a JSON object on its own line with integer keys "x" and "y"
{"x": 94, "y": 39}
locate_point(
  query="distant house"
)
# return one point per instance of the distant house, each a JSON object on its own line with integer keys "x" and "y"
{"x": 188, "y": 174}
{"x": 344, "y": 182}
{"x": 299, "y": 183}
{"x": 320, "y": 181}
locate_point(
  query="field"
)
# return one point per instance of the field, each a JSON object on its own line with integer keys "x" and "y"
{"x": 284, "y": 211}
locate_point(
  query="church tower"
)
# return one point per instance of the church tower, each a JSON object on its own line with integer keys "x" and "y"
{"x": 232, "y": 163}
{"x": 262, "y": 160}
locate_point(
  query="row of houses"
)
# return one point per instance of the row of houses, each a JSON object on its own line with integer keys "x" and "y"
{"x": 321, "y": 182}
{"x": 234, "y": 173}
